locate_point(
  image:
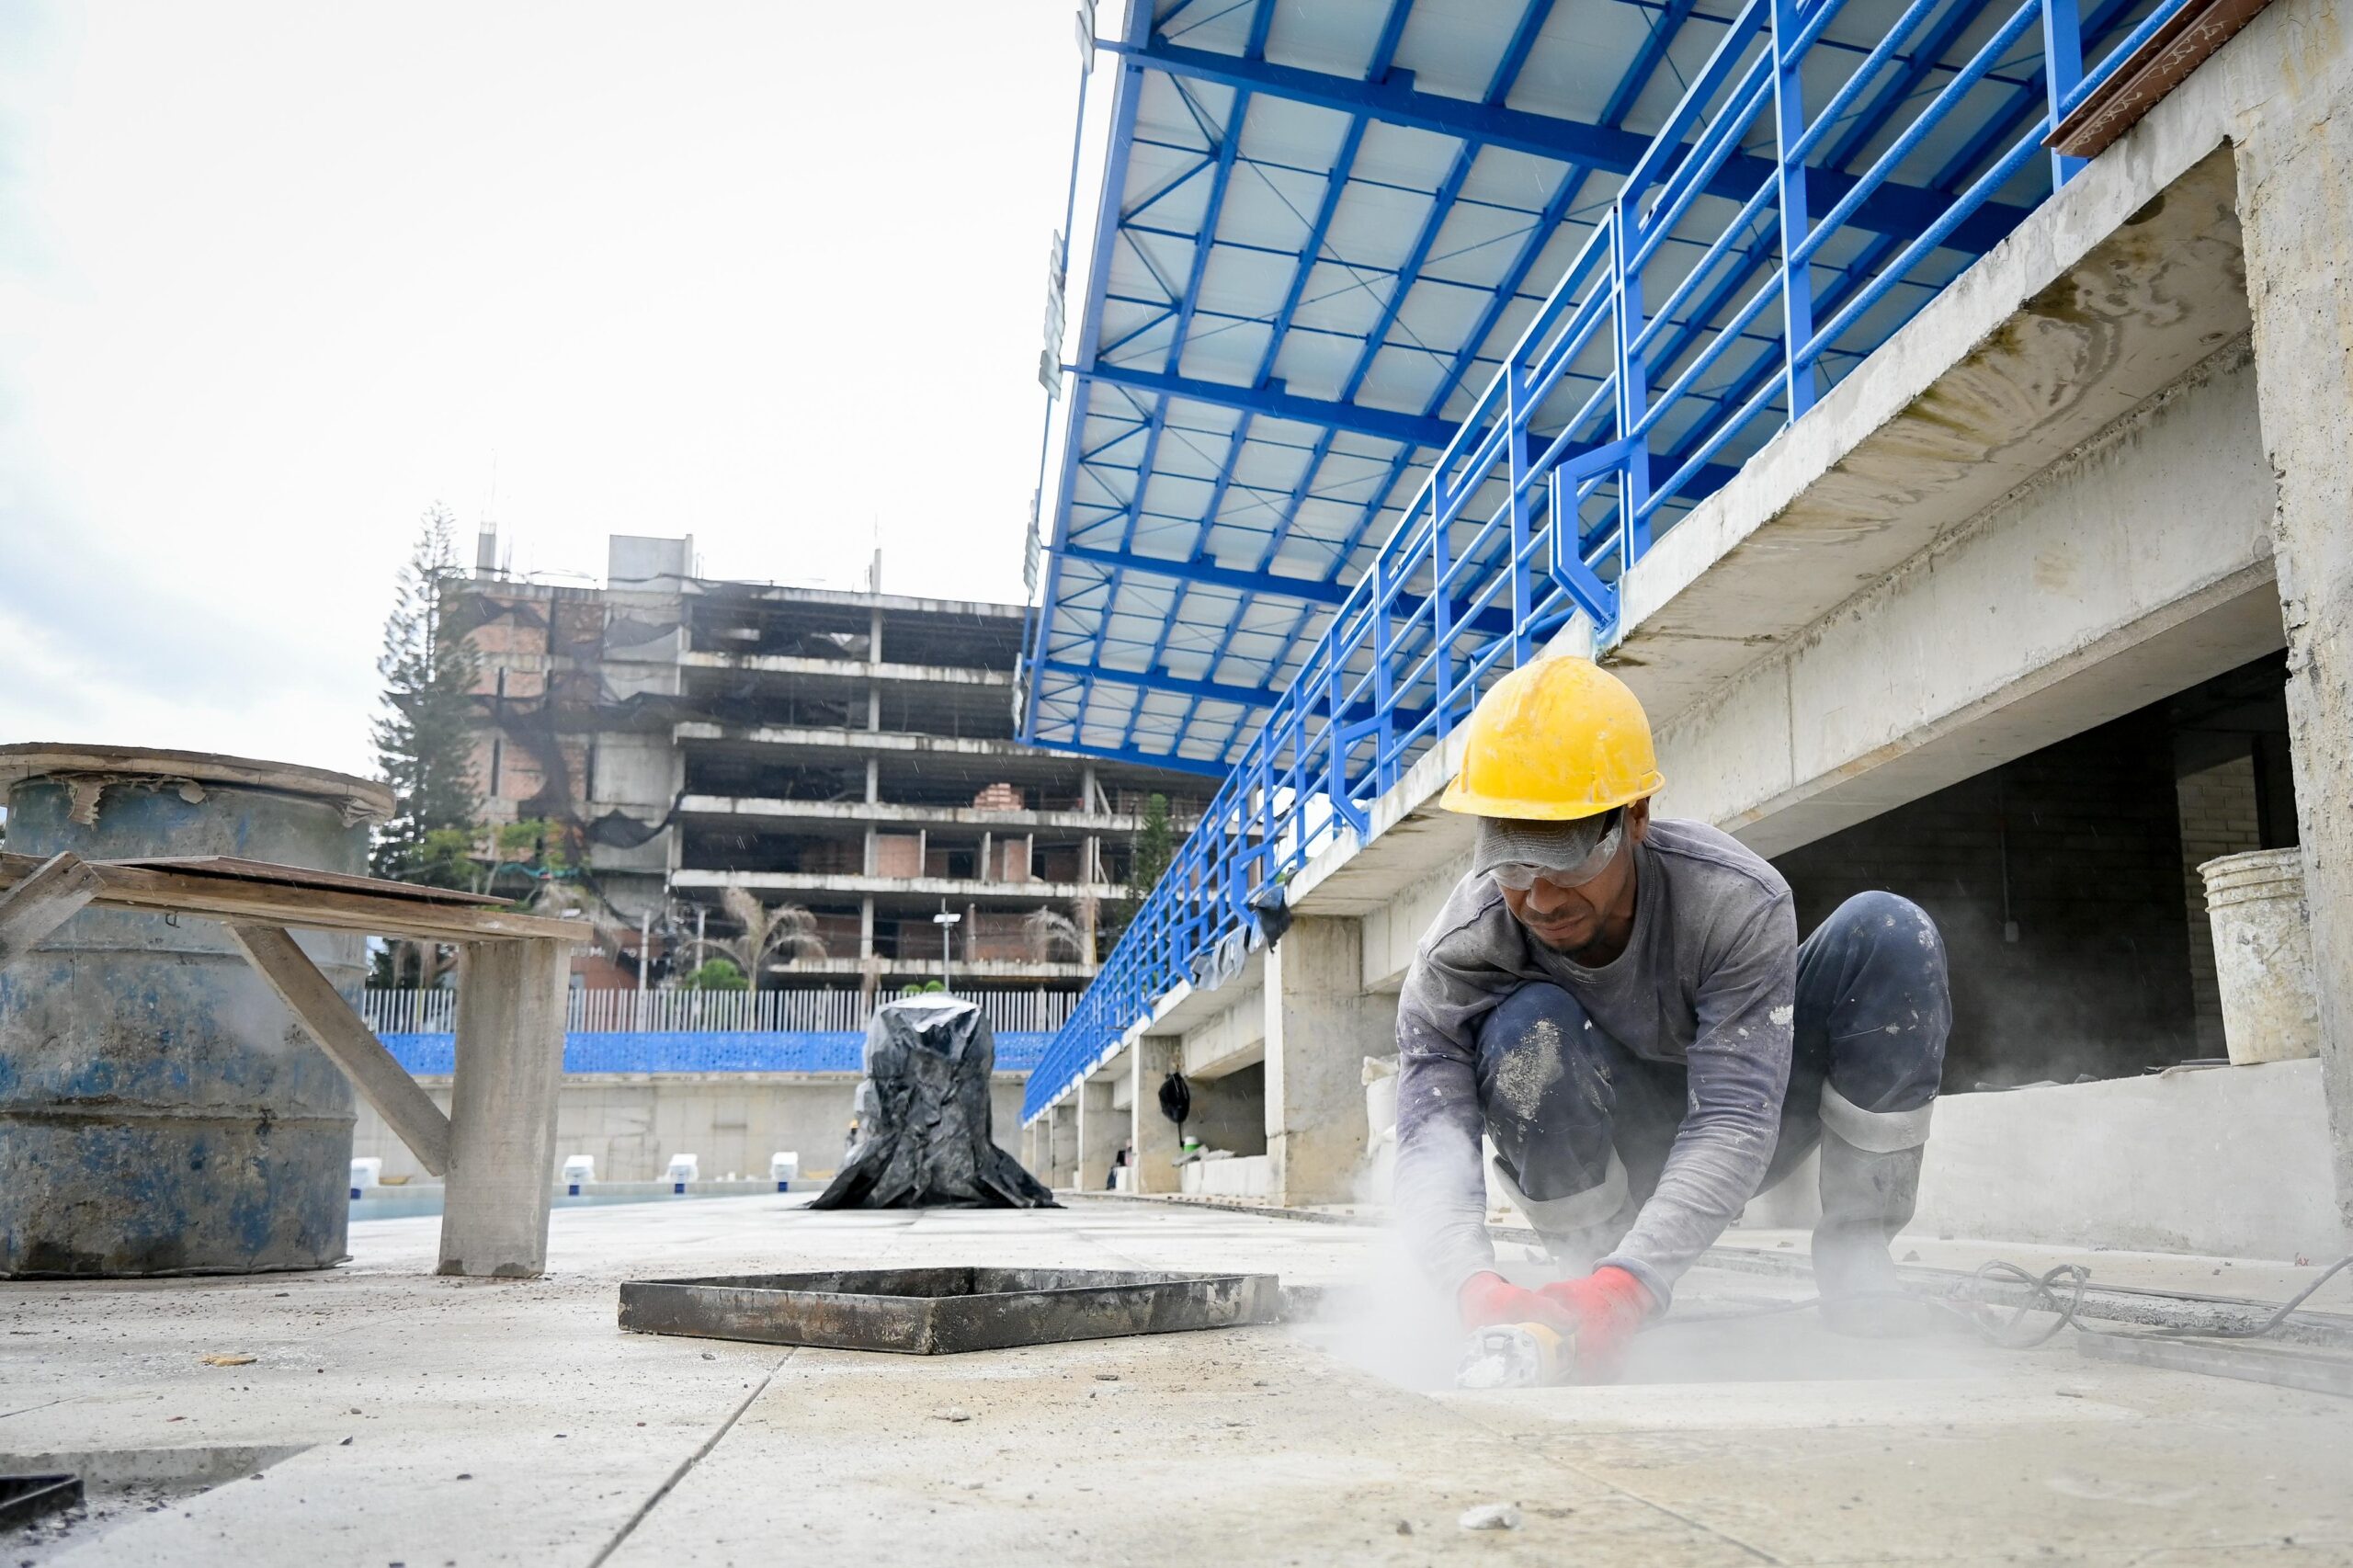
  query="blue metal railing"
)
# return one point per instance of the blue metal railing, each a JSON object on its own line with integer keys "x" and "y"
{"x": 1513, "y": 533}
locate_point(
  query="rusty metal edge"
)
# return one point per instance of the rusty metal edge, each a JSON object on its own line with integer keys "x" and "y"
{"x": 711, "y": 1309}
{"x": 899, "y": 1325}
{"x": 1105, "y": 1311}
{"x": 2156, "y": 68}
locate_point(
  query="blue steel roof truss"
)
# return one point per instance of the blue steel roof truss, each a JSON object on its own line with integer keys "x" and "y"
{"x": 1716, "y": 282}
{"x": 1137, "y": 647}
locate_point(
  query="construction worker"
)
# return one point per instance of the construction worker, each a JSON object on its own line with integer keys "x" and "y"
{"x": 1622, "y": 1005}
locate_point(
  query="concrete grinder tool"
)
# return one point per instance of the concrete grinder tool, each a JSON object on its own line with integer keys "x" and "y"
{"x": 1517, "y": 1355}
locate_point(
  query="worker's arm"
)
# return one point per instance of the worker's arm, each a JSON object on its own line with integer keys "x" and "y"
{"x": 1739, "y": 1066}
{"x": 1442, "y": 1192}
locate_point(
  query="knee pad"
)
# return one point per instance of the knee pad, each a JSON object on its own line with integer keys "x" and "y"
{"x": 1873, "y": 1131}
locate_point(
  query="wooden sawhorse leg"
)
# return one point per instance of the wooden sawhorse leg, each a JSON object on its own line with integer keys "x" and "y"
{"x": 502, "y": 1107}
{"x": 43, "y": 902}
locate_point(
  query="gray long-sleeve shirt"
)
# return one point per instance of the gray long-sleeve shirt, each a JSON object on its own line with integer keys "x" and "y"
{"x": 1706, "y": 980}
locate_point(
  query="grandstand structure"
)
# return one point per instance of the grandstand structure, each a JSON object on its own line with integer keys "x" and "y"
{"x": 1411, "y": 341}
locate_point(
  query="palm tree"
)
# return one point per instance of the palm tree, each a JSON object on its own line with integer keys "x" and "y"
{"x": 1046, "y": 929}
{"x": 427, "y": 961}
{"x": 787, "y": 928}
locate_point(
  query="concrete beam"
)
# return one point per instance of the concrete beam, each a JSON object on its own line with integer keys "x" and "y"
{"x": 782, "y": 736}
{"x": 969, "y": 969}
{"x": 2056, "y": 611}
{"x": 2114, "y": 291}
{"x": 687, "y": 879}
{"x": 1228, "y": 1040}
{"x": 844, "y": 598}
{"x": 802, "y": 666}
{"x": 749, "y": 809}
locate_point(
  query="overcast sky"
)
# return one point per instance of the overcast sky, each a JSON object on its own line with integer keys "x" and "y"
{"x": 274, "y": 277}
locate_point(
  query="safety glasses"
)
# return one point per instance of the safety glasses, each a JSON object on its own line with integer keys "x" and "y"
{"x": 1520, "y": 876}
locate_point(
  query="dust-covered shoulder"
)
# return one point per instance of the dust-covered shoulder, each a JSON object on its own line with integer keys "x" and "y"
{"x": 1717, "y": 856}
{"x": 1725, "y": 894}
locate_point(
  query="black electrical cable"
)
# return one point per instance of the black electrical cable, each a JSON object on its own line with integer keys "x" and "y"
{"x": 1978, "y": 1313}
{"x": 1966, "y": 1302}
{"x": 2269, "y": 1325}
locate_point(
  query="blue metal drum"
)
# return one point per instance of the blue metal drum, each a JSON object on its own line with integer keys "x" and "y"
{"x": 160, "y": 1112}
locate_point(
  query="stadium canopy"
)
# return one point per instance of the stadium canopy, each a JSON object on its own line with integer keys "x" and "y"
{"x": 1322, "y": 226}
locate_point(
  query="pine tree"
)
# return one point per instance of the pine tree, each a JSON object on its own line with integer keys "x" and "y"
{"x": 424, "y": 742}
{"x": 1148, "y": 854}
{"x": 1155, "y": 846}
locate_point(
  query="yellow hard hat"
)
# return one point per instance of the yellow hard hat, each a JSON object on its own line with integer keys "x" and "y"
{"x": 1554, "y": 740}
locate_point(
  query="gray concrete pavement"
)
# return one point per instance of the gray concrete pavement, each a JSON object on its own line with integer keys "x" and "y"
{"x": 496, "y": 1422}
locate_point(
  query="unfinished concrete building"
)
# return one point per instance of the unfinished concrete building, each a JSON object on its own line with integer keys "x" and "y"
{"x": 849, "y": 754}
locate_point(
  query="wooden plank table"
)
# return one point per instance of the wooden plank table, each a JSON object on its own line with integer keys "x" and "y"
{"x": 496, "y": 1148}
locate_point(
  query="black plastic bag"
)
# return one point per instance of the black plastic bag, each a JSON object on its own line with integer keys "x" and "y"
{"x": 925, "y": 1135}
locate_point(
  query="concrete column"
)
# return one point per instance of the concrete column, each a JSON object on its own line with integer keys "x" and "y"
{"x": 1062, "y": 1161}
{"x": 1090, "y": 863}
{"x": 873, "y": 782}
{"x": 502, "y": 1107}
{"x": 1153, "y": 1057}
{"x": 1319, "y": 1027}
{"x": 1100, "y": 1131}
{"x": 866, "y": 916}
{"x": 2295, "y": 163}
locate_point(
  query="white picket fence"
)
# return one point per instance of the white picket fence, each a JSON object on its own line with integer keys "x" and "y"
{"x": 622, "y": 1011}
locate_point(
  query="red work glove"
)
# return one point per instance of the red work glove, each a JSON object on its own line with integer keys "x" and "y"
{"x": 1486, "y": 1301}
{"x": 1605, "y": 1307}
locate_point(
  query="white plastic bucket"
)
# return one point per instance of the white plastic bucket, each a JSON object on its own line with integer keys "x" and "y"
{"x": 2262, "y": 955}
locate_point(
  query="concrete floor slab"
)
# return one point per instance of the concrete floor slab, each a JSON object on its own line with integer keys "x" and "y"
{"x": 446, "y": 1422}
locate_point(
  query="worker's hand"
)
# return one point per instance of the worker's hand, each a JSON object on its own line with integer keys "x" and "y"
{"x": 1605, "y": 1308}
{"x": 1488, "y": 1301}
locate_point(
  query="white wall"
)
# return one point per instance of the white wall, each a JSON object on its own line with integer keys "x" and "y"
{"x": 633, "y": 1123}
{"x": 2233, "y": 1161}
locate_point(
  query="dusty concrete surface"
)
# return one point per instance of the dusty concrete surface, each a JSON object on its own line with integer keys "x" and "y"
{"x": 511, "y": 1423}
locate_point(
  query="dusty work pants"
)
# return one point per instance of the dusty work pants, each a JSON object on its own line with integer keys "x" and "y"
{"x": 1873, "y": 1009}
